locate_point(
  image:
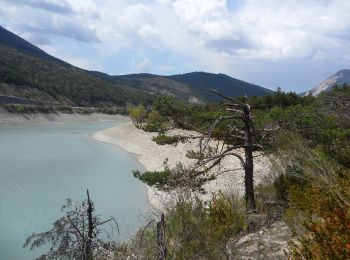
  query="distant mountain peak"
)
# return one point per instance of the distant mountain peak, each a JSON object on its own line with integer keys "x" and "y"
{"x": 338, "y": 79}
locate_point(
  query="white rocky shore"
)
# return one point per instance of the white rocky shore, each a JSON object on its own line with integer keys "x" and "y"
{"x": 152, "y": 156}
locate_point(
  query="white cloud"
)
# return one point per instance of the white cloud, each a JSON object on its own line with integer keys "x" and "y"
{"x": 206, "y": 34}
{"x": 147, "y": 31}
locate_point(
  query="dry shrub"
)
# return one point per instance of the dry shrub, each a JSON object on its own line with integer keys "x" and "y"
{"x": 323, "y": 216}
{"x": 318, "y": 192}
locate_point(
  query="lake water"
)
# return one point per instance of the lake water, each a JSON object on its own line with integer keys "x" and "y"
{"x": 43, "y": 165}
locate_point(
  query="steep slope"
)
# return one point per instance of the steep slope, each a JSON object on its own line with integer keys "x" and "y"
{"x": 11, "y": 40}
{"x": 44, "y": 79}
{"x": 340, "y": 78}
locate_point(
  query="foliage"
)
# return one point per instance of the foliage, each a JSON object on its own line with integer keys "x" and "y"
{"x": 318, "y": 122}
{"x": 323, "y": 211}
{"x": 159, "y": 179}
{"x": 318, "y": 192}
{"x": 155, "y": 122}
{"x": 195, "y": 230}
{"x": 163, "y": 139}
{"x": 169, "y": 179}
{"x": 280, "y": 99}
{"x": 137, "y": 114}
{"x": 182, "y": 115}
{"x": 322, "y": 121}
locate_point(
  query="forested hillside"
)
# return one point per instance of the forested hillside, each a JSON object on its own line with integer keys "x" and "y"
{"x": 192, "y": 87}
{"x": 29, "y": 76}
{"x": 29, "y": 72}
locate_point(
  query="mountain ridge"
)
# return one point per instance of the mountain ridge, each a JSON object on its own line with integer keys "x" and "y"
{"x": 196, "y": 84}
{"x": 12, "y": 40}
{"x": 338, "y": 79}
{"x": 28, "y": 71}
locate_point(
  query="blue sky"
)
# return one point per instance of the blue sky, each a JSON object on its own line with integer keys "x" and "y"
{"x": 293, "y": 44}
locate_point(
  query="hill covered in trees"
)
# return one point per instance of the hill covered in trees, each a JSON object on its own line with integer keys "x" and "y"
{"x": 194, "y": 86}
{"x": 33, "y": 77}
{"x": 29, "y": 72}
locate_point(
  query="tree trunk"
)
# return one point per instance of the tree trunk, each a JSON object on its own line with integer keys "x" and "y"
{"x": 88, "y": 252}
{"x": 161, "y": 242}
{"x": 249, "y": 164}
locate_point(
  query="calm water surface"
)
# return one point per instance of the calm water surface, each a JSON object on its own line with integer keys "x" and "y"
{"x": 43, "y": 165}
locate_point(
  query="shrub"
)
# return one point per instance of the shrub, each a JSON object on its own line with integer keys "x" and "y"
{"x": 199, "y": 231}
{"x": 318, "y": 192}
{"x": 322, "y": 210}
{"x": 194, "y": 230}
{"x": 163, "y": 139}
{"x": 152, "y": 127}
{"x": 137, "y": 114}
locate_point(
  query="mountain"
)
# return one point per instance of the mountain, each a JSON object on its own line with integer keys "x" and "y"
{"x": 201, "y": 82}
{"x": 11, "y": 40}
{"x": 29, "y": 72}
{"x": 194, "y": 86}
{"x": 338, "y": 79}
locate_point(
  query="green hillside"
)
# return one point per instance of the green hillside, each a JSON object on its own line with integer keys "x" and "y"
{"x": 193, "y": 87}
{"x": 201, "y": 82}
{"x": 29, "y": 76}
{"x": 29, "y": 72}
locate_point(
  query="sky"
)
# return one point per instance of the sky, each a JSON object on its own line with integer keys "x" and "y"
{"x": 292, "y": 44}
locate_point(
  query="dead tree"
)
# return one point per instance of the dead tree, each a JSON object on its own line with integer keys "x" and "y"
{"x": 236, "y": 140}
{"x": 89, "y": 211}
{"x": 161, "y": 241}
{"x": 239, "y": 135}
{"x": 76, "y": 235}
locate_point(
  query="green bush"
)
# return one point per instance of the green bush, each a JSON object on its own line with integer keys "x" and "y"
{"x": 163, "y": 139}
{"x": 195, "y": 230}
{"x": 152, "y": 127}
{"x": 200, "y": 231}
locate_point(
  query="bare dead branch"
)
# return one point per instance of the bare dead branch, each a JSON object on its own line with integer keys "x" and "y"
{"x": 143, "y": 231}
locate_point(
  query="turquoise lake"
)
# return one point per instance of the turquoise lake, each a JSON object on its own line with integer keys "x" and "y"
{"x": 43, "y": 165}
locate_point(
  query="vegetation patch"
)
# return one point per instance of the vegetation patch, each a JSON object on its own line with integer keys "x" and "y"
{"x": 163, "y": 139}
